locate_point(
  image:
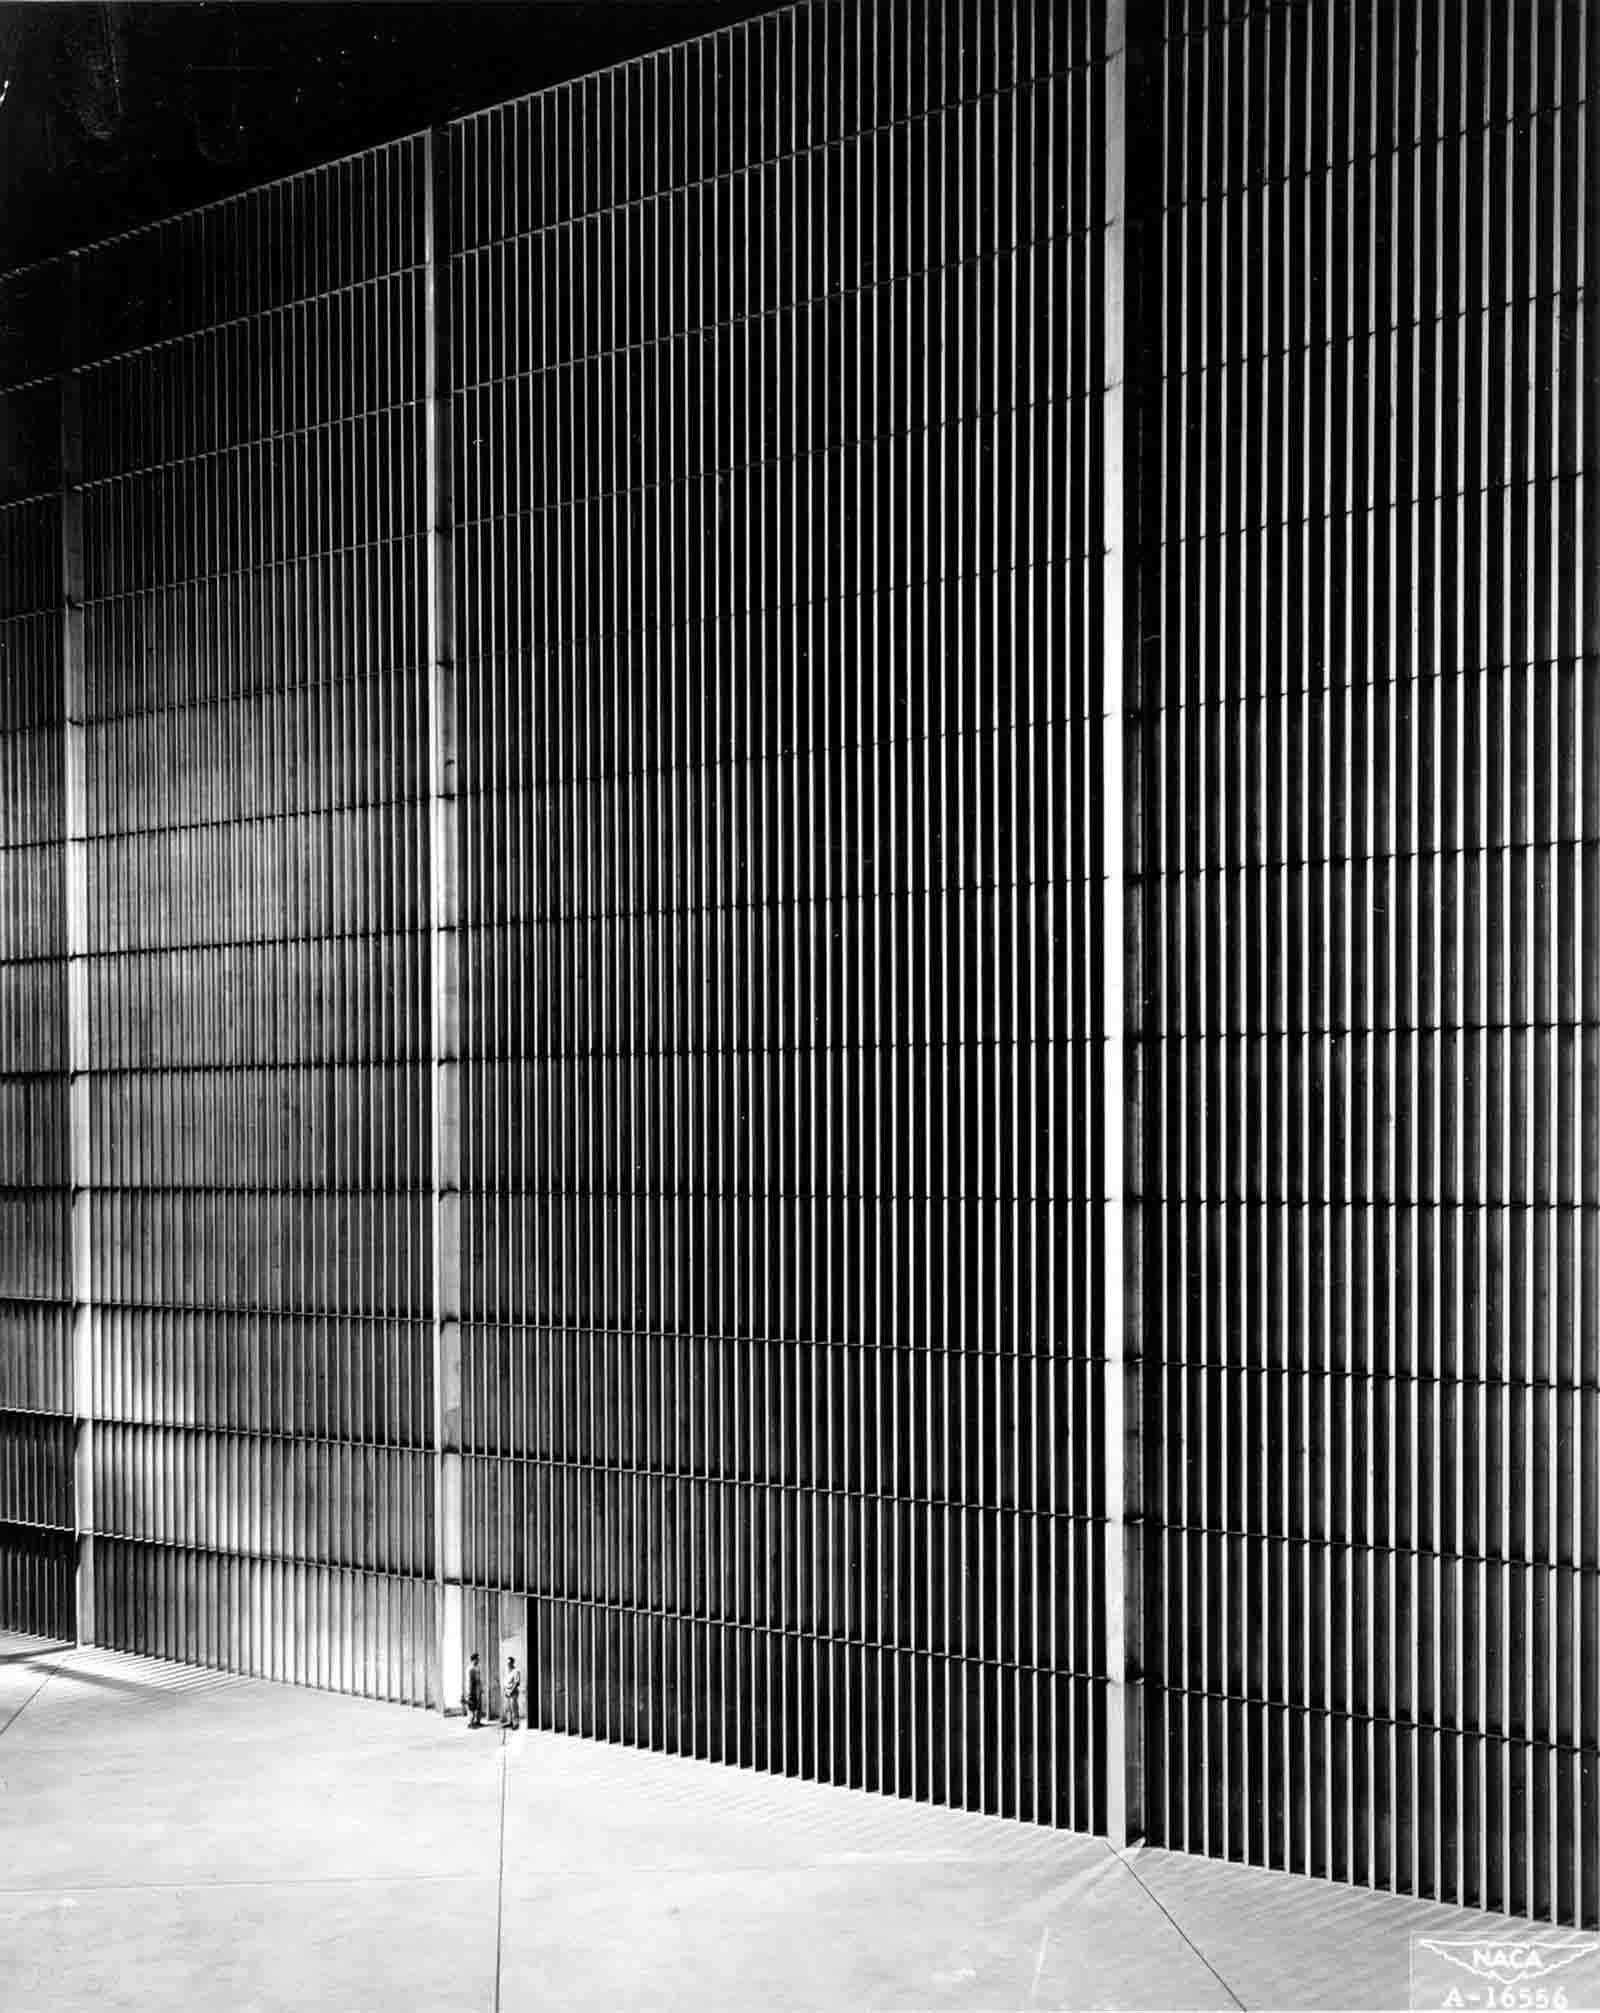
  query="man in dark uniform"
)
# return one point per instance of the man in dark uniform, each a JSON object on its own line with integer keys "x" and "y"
{"x": 474, "y": 1698}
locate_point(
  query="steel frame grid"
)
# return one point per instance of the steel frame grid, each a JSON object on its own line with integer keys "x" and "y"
{"x": 247, "y": 780}
{"x": 708, "y": 891}
{"x": 37, "y": 1547}
{"x": 790, "y": 1482}
{"x": 1374, "y": 1579}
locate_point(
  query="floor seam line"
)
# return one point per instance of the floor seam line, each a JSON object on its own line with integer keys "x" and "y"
{"x": 500, "y": 1890}
{"x": 1126, "y": 1861}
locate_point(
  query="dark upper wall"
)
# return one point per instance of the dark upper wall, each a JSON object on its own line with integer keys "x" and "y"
{"x": 116, "y": 114}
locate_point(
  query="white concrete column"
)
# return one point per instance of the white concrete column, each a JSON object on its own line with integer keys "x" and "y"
{"x": 1123, "y": 1562}
{"x": 443, "y": 951}
{"x": 75, "y": 894}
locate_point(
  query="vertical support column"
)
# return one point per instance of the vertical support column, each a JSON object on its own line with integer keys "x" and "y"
{"x": 1123, "y": 1565}
{"x": 443, "y": 948}
{"x": 75, "y": 898}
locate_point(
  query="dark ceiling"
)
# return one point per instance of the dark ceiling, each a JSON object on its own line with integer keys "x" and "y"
{"x": 115, "y": 112}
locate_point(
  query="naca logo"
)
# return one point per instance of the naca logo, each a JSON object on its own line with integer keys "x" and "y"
{"x": 1505, "y": 1971}
{"x": 1510, "y": 1963}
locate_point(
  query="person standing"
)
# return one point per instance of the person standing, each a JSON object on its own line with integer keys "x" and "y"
{"x": 513, "y": 1692}
{"x": 473, "y": 1700}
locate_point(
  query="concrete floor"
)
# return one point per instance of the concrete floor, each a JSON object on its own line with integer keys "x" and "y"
{"x": 176, "y": 1839}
